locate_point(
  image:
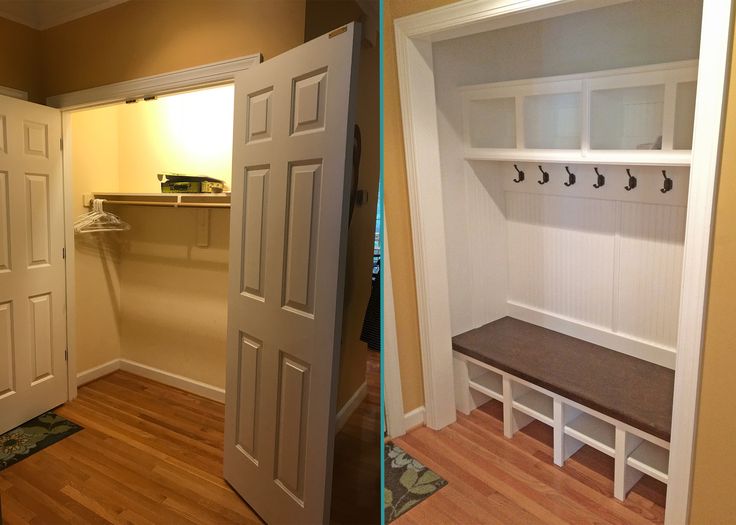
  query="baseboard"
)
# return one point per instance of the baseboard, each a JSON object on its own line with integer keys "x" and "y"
{"x": 97, "y": 372}
{"x": 352, "y": 404}
{"x": 167, "y": 378}
{"x": 414, "y": 418}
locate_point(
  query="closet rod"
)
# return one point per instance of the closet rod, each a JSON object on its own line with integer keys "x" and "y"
{"x": 170, "y": 204}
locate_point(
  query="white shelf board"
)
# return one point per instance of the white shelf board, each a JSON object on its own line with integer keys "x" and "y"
{"x": 490, "y": 384}
{"x": 651, "y": 460}
{"x": 537, "y": 405}
{"x": 593, "y": 432}
{"x": 622, "y": 157}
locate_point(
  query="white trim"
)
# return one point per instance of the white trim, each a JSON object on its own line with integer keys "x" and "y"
{"x": 55, "y": 19}
{"x": 393, "y": 398}
{"x": 414, "y": 418}
{"x": 12, "y": 92}
{"x": 97, "y": 372}
{"x": 416, "y": 81}
{"x": 715, "y": 45}
{"x": 168, "y": 378}
{"x": 181, "y": 80}
{"x": 421, "y": 144}
{"x": 41, "y": 23}
{"x": 70, "y": 252}
{"x": 155, "y": 374}
{"x": 351, "y": 406}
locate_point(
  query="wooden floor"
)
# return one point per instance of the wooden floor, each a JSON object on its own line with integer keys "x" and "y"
{"x": 148, "y": 454}
{"x": 494, "y": 480}
{"x": 356, "y": 497}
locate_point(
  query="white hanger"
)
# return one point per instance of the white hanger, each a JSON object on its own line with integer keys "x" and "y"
{"x": 98, "y": 220}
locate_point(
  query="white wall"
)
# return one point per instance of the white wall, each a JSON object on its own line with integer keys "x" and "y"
{"x": 475, "y": 203}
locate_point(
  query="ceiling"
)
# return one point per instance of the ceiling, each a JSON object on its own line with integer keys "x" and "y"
{"x": 43, "y": 14}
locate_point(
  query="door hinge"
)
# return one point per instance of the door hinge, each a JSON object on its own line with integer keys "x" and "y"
{"x": 66, "y": 355}
{"x": 61, "y": 144}
{"x": 63, "y": 253}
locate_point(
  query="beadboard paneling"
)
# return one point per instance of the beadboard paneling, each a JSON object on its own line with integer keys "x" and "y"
{"x": 561, "y": 255}
{"x": 650, "y": 245}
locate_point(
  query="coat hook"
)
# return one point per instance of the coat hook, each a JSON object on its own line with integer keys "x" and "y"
{"x": 601, "y": 179}
{"x": 521, "y": 175}
{"x": 570, "y": 177}
{"x": 632, "y": 181}
{"x": 545, "y": 176}
{"x": 667, "y": 182}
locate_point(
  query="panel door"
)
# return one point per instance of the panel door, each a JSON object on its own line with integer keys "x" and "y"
{"x": 292, "y": 153}
{"x": 33, "y": 368}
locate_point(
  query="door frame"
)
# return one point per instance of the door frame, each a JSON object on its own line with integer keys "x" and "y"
{"x": 414, "y": 35}
{"x": 206, "y": 75}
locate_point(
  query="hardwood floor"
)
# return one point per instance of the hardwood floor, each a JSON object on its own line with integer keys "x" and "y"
{"x": 356, "y": 497}
{"x": 148, "y": 454}
{"x": 494, "y": 480}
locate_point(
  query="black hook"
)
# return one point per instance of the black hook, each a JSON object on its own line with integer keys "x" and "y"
{"x": 601, "y": 179}
{"x": 667, "y": 182}
{"x": 570, "y": 177}
{"x": 545, "y": 176}
{"x": 632, "y": 181}
{"x": 521, "y": 175}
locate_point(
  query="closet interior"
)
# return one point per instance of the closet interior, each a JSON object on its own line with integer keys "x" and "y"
{"x": 565, "y": 158}
{"x": 154, "y": 298}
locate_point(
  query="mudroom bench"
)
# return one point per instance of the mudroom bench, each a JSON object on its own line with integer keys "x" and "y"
{"x": 588, "y": 394}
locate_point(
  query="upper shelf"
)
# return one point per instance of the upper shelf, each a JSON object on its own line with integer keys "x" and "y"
{"x": 176, "y": 200}
{"x": 641, "y": 115}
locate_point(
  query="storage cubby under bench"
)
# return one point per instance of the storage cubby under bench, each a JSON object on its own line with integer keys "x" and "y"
{"x": 588, "y": 394}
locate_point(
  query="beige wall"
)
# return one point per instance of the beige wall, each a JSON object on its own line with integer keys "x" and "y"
{"x": 715, "y": 454}
{"x": 97, "y": 255}
{"x": 147, "y": 37}
{"x": 396, "y": 201}
{"x": 21, "y": 68}
{"x": 170, "y": 295}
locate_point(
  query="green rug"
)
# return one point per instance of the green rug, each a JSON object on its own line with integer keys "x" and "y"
{"x": 35, "y": 435}
{"x": 407, "y": 482}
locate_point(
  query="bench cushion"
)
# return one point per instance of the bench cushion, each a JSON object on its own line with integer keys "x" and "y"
{"x": 633, "y": 391}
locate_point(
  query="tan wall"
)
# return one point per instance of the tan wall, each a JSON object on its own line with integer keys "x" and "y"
{"x": 21, "y": 67}
{"x": 173, "y": 303}
{"x": 97, "y": 256}
{"x": 147, "y": 37}
{"x": 322, "y": 16}
{"x": 396, "y": 201}
{"x": 715, "y": 455}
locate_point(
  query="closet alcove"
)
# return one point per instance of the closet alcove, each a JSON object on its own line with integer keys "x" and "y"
{"x": 565, "y": 160}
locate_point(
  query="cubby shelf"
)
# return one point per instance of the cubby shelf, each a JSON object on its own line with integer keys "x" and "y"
{"x": 573, "y": 424}
{"x": 633, "y": 116}
{"x": 490, "y": 384}
{"x": 651, "y": 460}
{"x": 594, "y": 432}
{"x": 537, "y": 405}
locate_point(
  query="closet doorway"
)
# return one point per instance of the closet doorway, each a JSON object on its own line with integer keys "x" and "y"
{"x": 251, "y": 315}
{"x": 552, "y": 131}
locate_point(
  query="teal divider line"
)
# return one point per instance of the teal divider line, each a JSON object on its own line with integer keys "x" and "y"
{"x": 383, "y": 240}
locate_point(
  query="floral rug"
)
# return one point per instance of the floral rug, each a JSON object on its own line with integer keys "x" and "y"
{"x": 35, "y": 435}
{"x": 407, "y": 482}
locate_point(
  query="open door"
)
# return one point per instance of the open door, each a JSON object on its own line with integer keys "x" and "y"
{"x": 33, "y": 368}
{"x": 292, "y": 157}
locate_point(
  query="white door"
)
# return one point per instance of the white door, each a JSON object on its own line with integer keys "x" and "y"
{"x": 292, "y": 151}
{"x": 33, "y": 368}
